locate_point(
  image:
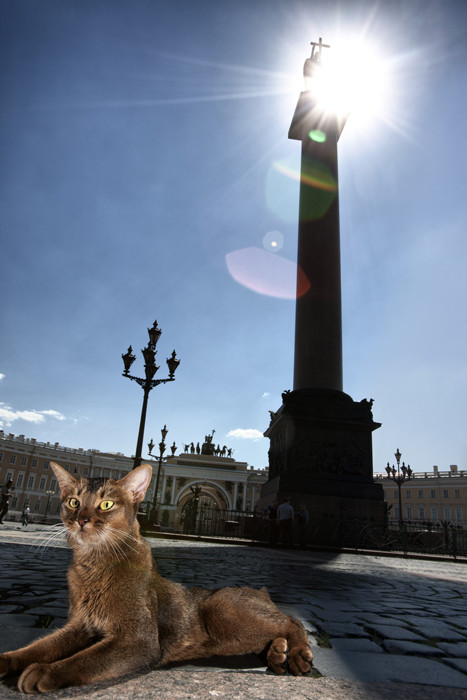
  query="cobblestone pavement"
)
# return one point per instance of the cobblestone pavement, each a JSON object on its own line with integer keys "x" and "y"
{"x": 374, "y": 623}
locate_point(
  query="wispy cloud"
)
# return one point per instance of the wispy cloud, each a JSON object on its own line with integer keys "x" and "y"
{"x": 266, "y": 395}
{"x": 2, "y": 376}
{"x": 246, "y": 434}
{"x": 8, "y": 415}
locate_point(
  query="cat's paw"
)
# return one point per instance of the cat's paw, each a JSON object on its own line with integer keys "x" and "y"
{"x": 4, "y": 665}
{"x": 39, "y": 678}
{"x": 277, "y": 655}
{"x": 299, "y": 659}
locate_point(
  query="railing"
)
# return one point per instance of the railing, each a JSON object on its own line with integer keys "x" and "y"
{"x": 214, "y": 522}
{"x": 423, "y": 537}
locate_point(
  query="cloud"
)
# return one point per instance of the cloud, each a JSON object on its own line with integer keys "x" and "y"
{"x": 246, "y": 434}
{"x": 9, "y": 416}
{"x": 266, "y": 395}
{"x": 2, "y": 376}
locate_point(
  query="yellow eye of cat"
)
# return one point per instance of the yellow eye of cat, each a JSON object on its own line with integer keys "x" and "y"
{"x": 73, "y": 503}
{"x": 106, "y": 505}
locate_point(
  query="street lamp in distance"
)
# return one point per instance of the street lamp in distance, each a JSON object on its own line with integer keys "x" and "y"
{"x": 403, "y": 474}
{"x": 162, "y": 446}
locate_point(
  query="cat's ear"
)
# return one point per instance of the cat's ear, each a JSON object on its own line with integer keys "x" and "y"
{"x": 137, "y": 481}
{"x": 64, "y": 479}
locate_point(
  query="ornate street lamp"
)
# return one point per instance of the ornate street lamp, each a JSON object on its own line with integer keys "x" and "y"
{"x": 148, "y": 383}
{"x": 49, "y": 495}
{"x": 164, "y": 431}
{"x": 403, "y": 474}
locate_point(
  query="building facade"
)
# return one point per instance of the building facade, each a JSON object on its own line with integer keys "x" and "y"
{"x": 429, "y": 496}
{"x": 219, "y": 480}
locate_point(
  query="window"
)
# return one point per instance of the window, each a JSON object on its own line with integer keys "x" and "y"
{"x": 46, "y": 465}
{"x": 420, "y": 494}
{"x": 53, "y": 484}
{"x": 445, "y": 493}
{"x": 31, "y": 482}
{"x": 457, "y": 493}
{"x": 9, "y": 476}
{"x": 13, "y": 459}
{"x": 19, "y": 481}
{"x": 447, "y": 513}
{"x": 14, "y": 501}
{"x": 42, "y": 483}
{"x": 396, "y": 512}
{"x": 409, "y": 512}
{"x": 408, "y": 494}
{"x": 396, "y": 495}
{"x": 37, "y": 505}
{"x": 86, "y": 471}
{"x": 421, "y": 512}
{"x": 23, "y": 461}
{"x": 459, "y": 514}
{"x": 1, "y": 456}
{"x": 34, "y": 463}
{"x": 433, "y": 493}
{"x": 434, "y": 514}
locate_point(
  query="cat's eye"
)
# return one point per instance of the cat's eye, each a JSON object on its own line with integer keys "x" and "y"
{"x": 73, "y": 503}
{"x": 106, "y": 505}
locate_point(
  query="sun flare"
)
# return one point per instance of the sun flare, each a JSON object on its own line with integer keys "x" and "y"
{"x": 353, "y": 79}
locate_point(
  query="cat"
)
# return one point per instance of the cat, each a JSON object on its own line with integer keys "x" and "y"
{"x": 124, "y": 616}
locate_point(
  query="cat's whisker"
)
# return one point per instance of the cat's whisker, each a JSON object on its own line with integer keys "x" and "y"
{"x": 49, "y": 539}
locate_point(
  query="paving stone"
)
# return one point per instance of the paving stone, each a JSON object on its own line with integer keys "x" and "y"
{"x": 355, "y": 644}
{"x": 457, "y": 649}
{"x": 367, "y": 667}
{"x": 16, "y": 621}
{"x": 343, "y": 630}
{"x": 460, "y": 664}
{"x": 396, "y": 646}
{"x": 393, "y": 632}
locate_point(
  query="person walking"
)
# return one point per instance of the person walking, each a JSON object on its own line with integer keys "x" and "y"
{"x": 25, "y": 516}
{"x": 285, "y": 519}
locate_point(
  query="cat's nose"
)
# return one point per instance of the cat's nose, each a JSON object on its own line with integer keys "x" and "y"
{"x": 82, "y": 520}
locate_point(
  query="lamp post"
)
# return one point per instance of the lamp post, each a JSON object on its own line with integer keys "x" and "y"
{"x": 148, "y": 383}
{"x": 164, "y": 431}
{"x": 403, "y": 474}
{"x": 49, "y": 495}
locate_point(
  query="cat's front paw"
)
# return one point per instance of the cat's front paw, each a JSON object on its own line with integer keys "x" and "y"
{"x": 299, "y": 660}
{"x": 39, "y": 678}
{"x": 277, "y": 656}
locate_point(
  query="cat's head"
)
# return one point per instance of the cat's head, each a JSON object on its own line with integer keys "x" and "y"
{"x": 101, "y": 511}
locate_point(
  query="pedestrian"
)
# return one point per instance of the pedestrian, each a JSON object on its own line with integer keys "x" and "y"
{"x": 25, "y": 515}
{"x": 5, "y": 495}
{"x": 303, "y": 523}
{"x": 271, "y": 512}
{"x": 285, "y": 519}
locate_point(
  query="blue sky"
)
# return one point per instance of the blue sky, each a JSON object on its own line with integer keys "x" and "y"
{"x": 144, "y": 146}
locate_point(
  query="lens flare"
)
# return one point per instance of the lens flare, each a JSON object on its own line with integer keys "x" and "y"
{"x": 317, "y": 135}
{"x": 273, "y": 241}
{"x": 267, "y": 273}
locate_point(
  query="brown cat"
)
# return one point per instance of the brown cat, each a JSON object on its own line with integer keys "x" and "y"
{"x": 124, "y": 616}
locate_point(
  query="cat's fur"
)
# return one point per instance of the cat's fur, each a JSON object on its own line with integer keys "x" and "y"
{"x": 124, "y": 616}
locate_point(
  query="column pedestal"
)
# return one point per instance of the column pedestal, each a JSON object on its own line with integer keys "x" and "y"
{"x": 321, "y": 455}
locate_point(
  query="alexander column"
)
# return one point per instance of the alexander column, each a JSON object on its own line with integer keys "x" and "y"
{"x": 321, "y": 447}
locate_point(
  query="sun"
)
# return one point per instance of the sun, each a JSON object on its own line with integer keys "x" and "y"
{"x": 353, "y": 78}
